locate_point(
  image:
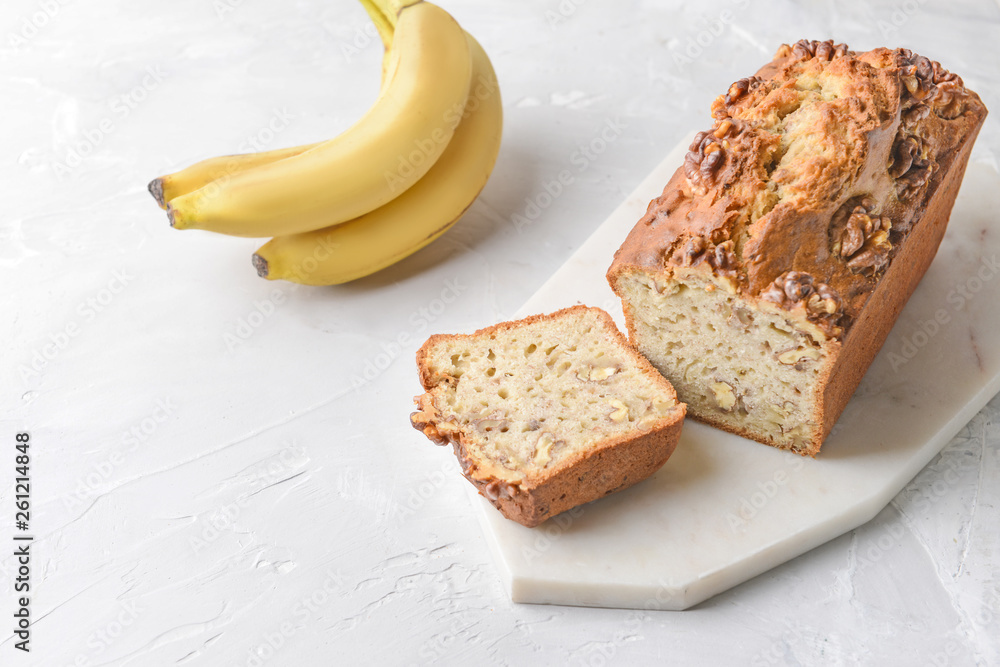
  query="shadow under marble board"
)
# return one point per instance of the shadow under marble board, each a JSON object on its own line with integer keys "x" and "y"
{"x": 725, "y": 509}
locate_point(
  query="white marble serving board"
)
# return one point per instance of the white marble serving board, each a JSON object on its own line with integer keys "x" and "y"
{"x": 725, "y": 509}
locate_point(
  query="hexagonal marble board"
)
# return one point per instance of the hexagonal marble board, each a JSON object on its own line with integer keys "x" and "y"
{"x": 725, "y": 509}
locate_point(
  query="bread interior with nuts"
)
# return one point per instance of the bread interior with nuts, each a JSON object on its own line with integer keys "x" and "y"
{"x": 766, "y": 277}
{"x": 751, "y": 371}
{"x": 526, "y": 401}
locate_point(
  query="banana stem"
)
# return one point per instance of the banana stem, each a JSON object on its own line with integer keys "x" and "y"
{"x": 382, "y": 23}
{"x": 391, "y": 8}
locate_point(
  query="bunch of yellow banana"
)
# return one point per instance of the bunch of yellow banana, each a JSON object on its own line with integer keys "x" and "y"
{"x": 389, "y": 185}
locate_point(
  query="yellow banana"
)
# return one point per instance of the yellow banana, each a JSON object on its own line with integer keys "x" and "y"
{"x": 166, "y": 188}
{"x": 169, "y": 187}
{"x": 412, "y": 220}
{"x": 383, "y": 24}
{"x": 374, "y": 161}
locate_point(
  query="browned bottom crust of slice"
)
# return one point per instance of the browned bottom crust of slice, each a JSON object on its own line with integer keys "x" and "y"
{"x": 611, "y": 466}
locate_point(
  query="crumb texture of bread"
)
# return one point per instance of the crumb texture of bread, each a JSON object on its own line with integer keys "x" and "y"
{"x": 532, "y": 407}
{"x": 765, "y": 278}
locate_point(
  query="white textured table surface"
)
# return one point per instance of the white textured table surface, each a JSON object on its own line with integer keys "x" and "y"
{"x": 223, "y": 472}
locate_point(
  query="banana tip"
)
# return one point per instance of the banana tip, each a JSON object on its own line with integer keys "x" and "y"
{"x": 260, "y": 264}
{"x": 156, "y": 189}
{"x": 171, "y": 215}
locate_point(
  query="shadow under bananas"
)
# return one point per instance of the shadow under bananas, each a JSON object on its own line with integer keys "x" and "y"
{"x": 514, "y": 179}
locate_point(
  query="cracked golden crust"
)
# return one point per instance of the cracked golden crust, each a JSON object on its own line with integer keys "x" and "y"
{"x": 611, "y": 465}
{"x": 793, "y": 152}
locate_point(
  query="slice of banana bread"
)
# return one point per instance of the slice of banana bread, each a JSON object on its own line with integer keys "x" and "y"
{"x": 548, "y": 412}
{"x": 767, "y": 276}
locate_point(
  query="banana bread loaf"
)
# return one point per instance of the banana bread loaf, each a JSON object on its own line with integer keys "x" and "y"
{"x": 547, "y": 413}
{"x": 768, "y": 274}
